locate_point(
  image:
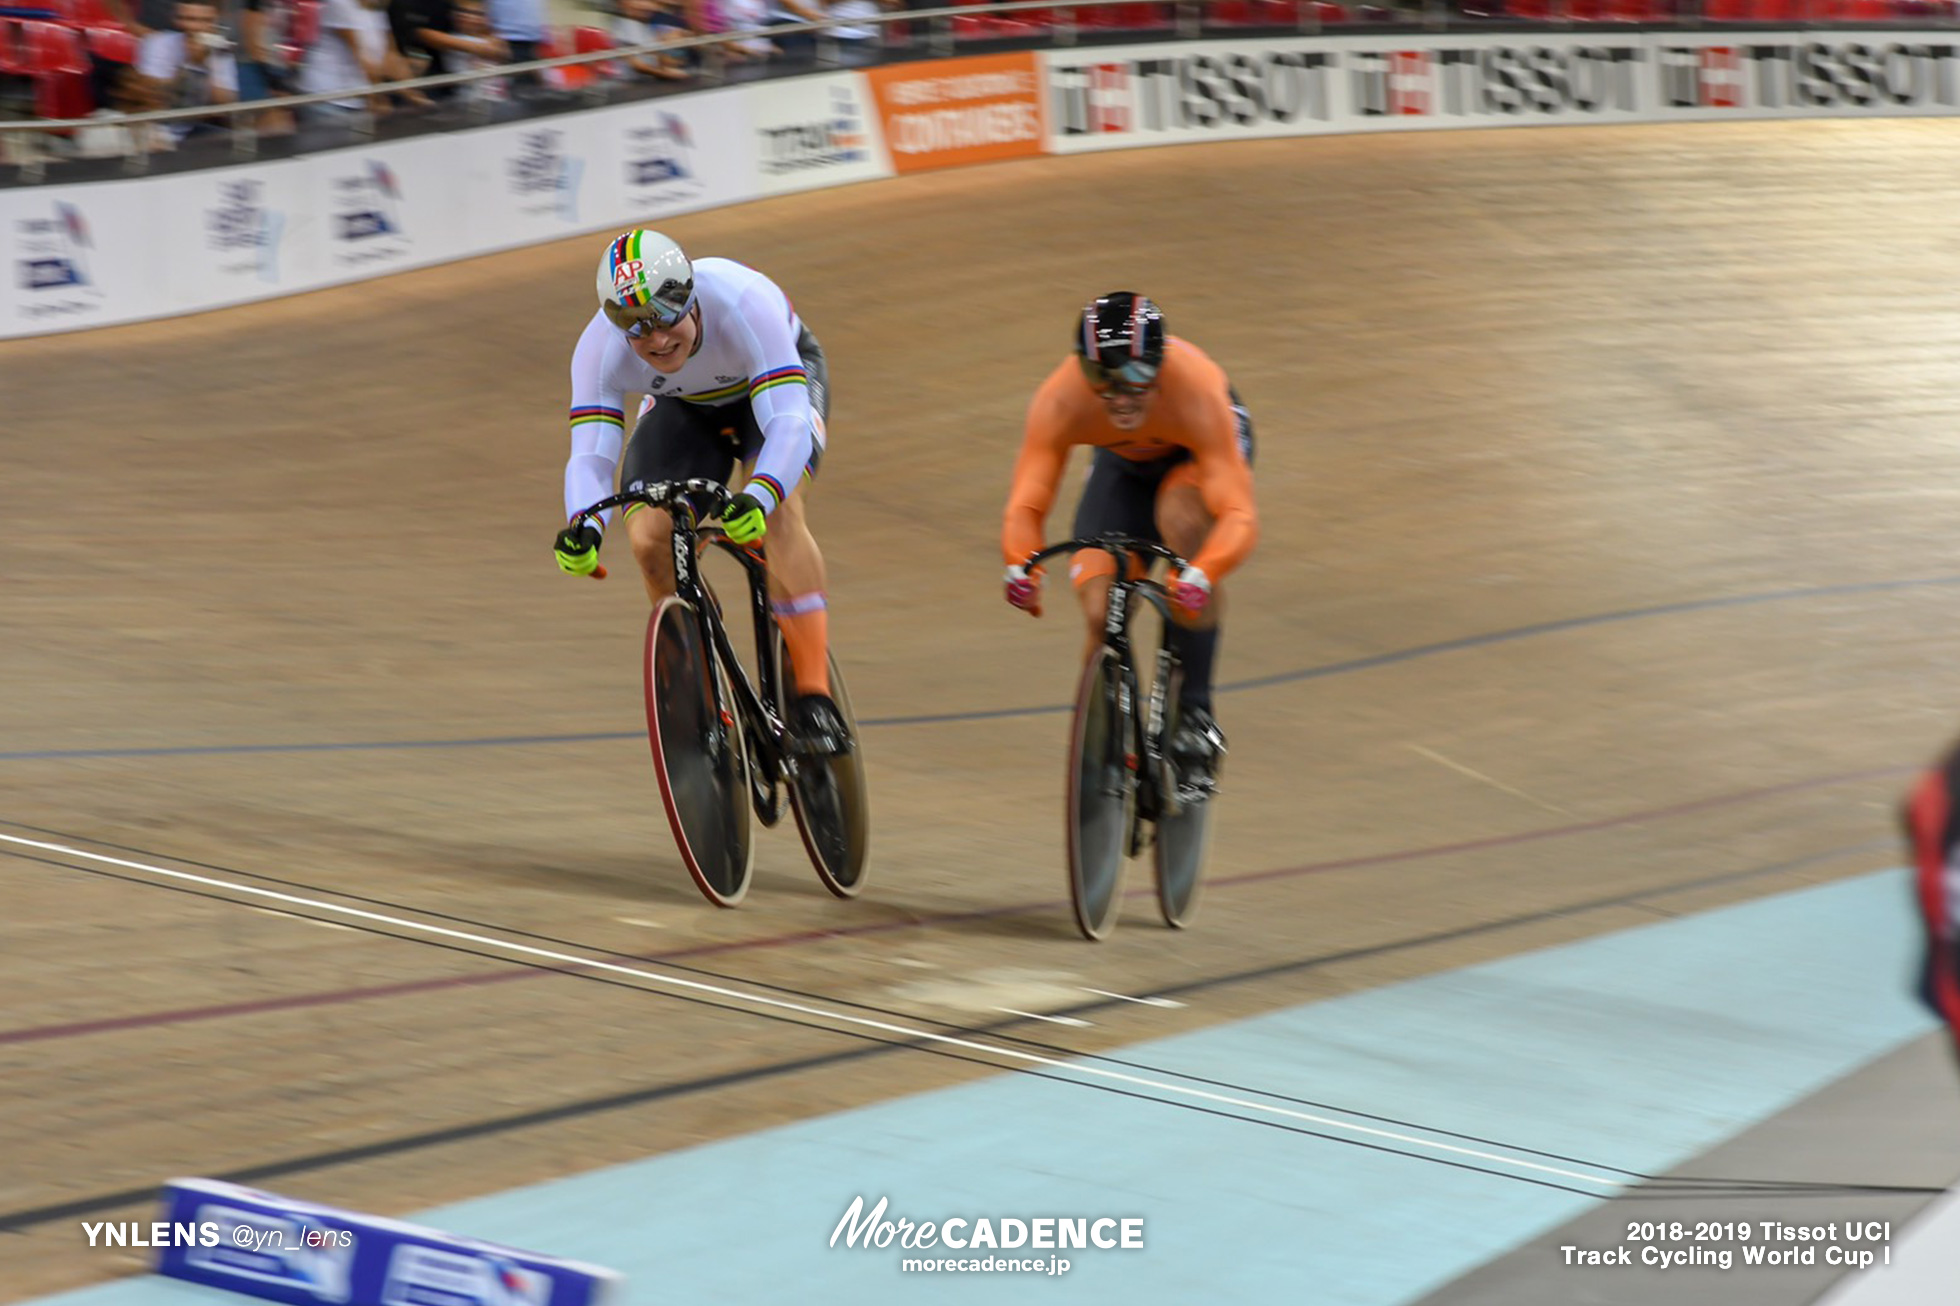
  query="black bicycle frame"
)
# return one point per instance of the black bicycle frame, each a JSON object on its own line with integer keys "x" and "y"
{"x": 1145, "y": 732}
{"x": 689, "y": 503}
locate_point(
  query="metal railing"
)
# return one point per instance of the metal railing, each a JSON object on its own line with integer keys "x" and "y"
{"x": 26, "y": 144}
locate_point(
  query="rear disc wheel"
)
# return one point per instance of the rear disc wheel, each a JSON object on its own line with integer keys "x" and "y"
{"x": 828, "y": 794}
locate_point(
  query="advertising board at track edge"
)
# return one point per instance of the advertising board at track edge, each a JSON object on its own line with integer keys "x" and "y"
{"x": 94, "y": 254}
{"x": 274, "y": 1248}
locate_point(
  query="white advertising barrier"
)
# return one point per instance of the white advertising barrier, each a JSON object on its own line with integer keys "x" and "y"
{"x": 809, "y": 132}
{"x": 383, "y": 209}
{"x": 534, "y": 184}
{"x": 228, "y": 235}
{"x": 90, "y": 255}
{"x": 1125, "y": 96}
{"x": 560, "y": 176}
{"x": 111, "y": 252}
{"x": 80, "y": 256}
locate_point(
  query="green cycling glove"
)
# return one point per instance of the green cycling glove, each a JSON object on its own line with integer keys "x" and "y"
{"x": 578, "y": 550}
{"x": 743, "y": 519}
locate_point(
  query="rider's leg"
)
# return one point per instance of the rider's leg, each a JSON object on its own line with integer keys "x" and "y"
{"x": 1184, "y": 522}
{"x": 651, "y": 532}
{"x": 1117, "y": 499}
{"x": 797, "y": 593}
{"x": 672, "y": 441}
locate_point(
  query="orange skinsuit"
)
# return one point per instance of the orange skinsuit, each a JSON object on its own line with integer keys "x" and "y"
{"x": 1191, "y": 409}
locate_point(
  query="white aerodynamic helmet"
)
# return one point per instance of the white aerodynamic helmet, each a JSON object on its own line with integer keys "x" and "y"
{"x": 645, "y": 281}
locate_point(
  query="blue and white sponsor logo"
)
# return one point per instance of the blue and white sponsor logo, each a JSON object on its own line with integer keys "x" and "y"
{"x": 54, "y": 263}
{"x": 243, "y": 231}
{"x": 661, "y": 161}
{"x": 431, "y": 1276}
{"x": 838, "y": 139}
{"x": 544, "y": 177}
{"x": 366, "y": 215}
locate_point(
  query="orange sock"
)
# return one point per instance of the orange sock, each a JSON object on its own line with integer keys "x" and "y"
{"x": 805, "y": 622}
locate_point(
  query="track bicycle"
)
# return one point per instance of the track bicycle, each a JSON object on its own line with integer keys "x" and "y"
{"x": 721, "y": 744}
{"x": 1123, "y": 791}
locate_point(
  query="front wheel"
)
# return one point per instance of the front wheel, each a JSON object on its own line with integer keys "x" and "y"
{"x": 1101, "y": 795}
{"x": 698, "y": 753}
{"x": 828, "y": 794}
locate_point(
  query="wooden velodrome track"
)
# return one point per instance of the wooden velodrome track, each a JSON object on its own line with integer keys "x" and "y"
{"x": 1608, "y": 480}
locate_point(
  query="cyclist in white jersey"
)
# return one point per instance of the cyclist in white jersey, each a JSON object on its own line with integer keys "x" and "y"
{"x": 731, "y": 377}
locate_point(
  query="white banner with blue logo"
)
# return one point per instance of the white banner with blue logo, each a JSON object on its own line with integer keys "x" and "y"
{"x": 230, "y": 233}
{"x": 676, "y": 155}
{"x": 79, "y": 256}
{"x": 808, "y": 132}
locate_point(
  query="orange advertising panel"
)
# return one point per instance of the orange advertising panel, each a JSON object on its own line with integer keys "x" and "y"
{"x": 942, "y": 113}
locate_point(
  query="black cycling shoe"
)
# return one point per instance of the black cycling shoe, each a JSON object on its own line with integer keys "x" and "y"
{"x": 819, "y": 727}
{"x": 1196, "y": 749}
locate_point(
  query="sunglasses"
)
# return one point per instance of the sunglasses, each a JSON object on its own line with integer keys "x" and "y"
{"x": 1132, "y": 378}
{"x": 642, "y": 320}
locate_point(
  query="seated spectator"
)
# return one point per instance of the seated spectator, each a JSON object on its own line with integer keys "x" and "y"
{"x": 642, "y": 22}
{"x": 353, "y": 51}
{"x": 446, "y": 36}
{"x": 190, "y": 64}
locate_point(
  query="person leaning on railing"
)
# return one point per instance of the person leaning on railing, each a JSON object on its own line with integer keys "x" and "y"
{"x": 642, "y": 22}
{"x": 188, "y": 65}
{"x": 353, "y": 51}
{"x": 447, "y": 36}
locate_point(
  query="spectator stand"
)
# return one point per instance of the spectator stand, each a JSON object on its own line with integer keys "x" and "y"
{"x": 46, "y": 60}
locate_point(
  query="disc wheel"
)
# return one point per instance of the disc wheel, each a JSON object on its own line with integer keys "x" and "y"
{"x": 1101, "y": 797}
{"x": 698, "y": 753}
{"x": 828, "y": 794}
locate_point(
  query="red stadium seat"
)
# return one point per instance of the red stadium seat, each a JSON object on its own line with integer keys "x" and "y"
{"x": 61, "y": 71}
{"x": 1325, "y": 12}
{"x": 565, "y": 79}
{"x": 15, "y": 58}
{"x": 589, "y": 40}
{"x": 112, "y": 44}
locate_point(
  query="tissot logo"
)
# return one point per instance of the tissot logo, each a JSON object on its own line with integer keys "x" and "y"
{"x": 1204, "y": 90}
{"x": 1816, "y": 74}
{"x": 1494, "y": 80}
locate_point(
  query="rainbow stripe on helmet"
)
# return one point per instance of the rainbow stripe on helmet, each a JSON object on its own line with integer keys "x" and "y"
{"x": 626, "y": 249}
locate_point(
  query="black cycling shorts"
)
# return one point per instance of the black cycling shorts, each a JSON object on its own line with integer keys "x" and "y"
{"x": 1120, "y": 497}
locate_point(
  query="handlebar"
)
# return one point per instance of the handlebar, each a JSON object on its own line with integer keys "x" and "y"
{"x": 696, "y": 495}
{"x": 663, "y": 494}
{"x": 1118, "y": 547}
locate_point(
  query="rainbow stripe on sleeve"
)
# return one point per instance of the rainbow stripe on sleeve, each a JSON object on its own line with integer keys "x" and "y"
{"x": 770, "y": 484}
{"x": 599, "y": 413}
{"x": 781, "y": 376}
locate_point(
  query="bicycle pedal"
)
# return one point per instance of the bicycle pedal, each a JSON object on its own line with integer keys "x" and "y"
{"x": 1192, "y": 792}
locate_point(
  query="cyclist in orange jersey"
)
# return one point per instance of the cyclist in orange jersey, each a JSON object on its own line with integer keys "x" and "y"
{"x": 1172, "y": 463}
